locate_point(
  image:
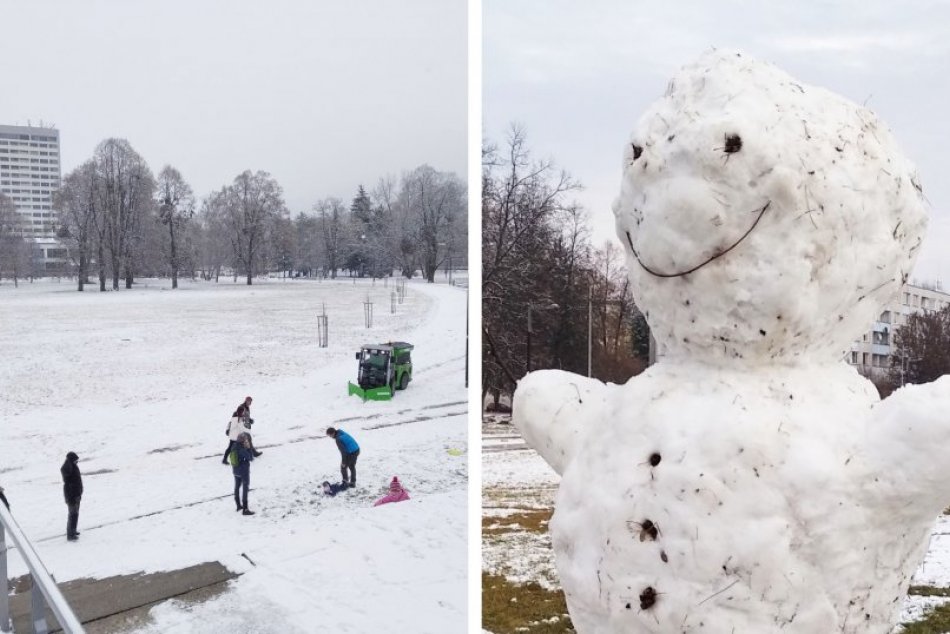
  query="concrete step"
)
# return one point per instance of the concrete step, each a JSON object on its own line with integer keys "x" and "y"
{"x": 115, "y": 604}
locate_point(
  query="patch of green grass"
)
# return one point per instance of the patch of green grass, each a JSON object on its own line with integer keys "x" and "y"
{"x": 929, "y": 591}
{"x": 535, "y": 521}
{"x": 508, "y": 608}
{"x": 937, "y": 621}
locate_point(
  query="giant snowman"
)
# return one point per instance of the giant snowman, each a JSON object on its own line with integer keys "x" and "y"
{"x": 751, "y": 481}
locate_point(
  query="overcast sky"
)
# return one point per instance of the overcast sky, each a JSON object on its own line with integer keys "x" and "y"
{"x": 578, "y": 75}
{"x": 323, "y": 95}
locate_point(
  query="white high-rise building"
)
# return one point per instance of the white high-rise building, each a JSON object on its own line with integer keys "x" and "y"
{"x": 30, "y": 173}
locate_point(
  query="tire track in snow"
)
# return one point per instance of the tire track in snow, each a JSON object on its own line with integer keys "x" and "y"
{"x": 417, "y": 419}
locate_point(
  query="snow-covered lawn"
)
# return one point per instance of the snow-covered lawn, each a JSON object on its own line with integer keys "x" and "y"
{"x": 516, "y": 479}
{"x": 141, "y": 384}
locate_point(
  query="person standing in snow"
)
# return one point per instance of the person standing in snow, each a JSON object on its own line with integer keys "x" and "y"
{"x": 396, "y": 493}
{"x": 240, "y": 458}
{"x": 241, "y": 422}
{"x": 72, "y": 491}
{"x": 349, "y": 452}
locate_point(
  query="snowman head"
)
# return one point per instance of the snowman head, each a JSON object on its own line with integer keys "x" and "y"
{"x": 763, "y": 219}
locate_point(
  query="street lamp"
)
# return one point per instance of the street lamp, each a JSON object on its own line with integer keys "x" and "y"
{"x": 547, "y": 306}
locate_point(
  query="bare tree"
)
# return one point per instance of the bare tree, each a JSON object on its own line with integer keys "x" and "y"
{"x": 76, "y": 202}
{"x": 524, "y": 212}
{"x": 176, "y": 204}
{"x": 385, "y": 199}
{"x": 333, "y": 229}
{"x": 251, "y": 204}
{"x": 309, "y": 241}
{"x": 214, "y": 246}
{"x": 282, "y": 245}
{"x": 14, "y": 247}
{"x": 125, "y": 194}
{"x": 437, "y": 200}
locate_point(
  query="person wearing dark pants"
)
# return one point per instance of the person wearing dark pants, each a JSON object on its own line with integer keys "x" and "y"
{"x": 240, "y": 423}
{"x": 349, "y": 452}
{"x": 72, "y": 491}
{"x": 240, "y": 458}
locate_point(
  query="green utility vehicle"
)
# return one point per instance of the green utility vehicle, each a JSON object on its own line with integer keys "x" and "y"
{"x": 383, "y": 369}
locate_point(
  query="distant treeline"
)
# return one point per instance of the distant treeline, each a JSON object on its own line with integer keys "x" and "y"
{"x": 120, "y": 221}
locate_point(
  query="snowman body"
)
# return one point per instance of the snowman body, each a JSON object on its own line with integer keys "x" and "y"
{"x": 768, "y": 508}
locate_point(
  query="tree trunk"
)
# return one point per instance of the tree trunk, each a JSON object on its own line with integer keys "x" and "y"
{"x": 82, "y": 271}
{"x": 102, "y": 268}
{"x": 174, "y": 254}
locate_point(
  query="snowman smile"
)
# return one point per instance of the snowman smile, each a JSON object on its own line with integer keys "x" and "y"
{"x": 715, "y": 256}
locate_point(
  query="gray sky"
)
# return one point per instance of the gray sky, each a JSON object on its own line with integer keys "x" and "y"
{"x": 577, "y": 76}
{"x": 323, "y": 95}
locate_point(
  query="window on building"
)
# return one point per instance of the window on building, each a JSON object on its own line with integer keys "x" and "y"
{"x": 854, "y": 357}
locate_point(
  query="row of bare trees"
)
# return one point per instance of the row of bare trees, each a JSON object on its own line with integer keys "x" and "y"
{"x": 540, "y": 268}
{"x": 120, "y": 221}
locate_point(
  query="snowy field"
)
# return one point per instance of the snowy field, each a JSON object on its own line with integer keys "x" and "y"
{"x": 141, "y": 385}
{"x": 516, "y": 479}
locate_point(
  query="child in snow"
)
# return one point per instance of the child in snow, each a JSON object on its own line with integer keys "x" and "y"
{"x": 333, "y": 489}
{"x": 396, "y": 493}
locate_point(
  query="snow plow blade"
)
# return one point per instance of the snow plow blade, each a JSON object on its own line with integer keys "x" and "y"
{"x": 382, "y": 393}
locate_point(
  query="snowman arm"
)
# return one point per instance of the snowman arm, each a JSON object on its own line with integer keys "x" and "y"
{"x": 552, "y": 409}
{"x": 911, "y": 428}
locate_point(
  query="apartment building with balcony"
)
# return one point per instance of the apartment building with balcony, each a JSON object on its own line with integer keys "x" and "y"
{"x": 871, "y": 354}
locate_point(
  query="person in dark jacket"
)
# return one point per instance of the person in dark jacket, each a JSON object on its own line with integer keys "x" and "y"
{"x": 3, "y": 499}
{"x": 72, "y": 491}
{"x": 240, "y": 458}
{"x": 349, "y": 452}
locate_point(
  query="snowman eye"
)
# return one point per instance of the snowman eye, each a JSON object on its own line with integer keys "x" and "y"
{"x": 733, "y": 143}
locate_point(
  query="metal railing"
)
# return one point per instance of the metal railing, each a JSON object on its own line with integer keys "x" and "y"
{"x": 44, "y": 592}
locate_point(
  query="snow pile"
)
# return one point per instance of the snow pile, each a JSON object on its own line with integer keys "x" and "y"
{"x": 141, "y": 385}
{"x": 750, "y": 481}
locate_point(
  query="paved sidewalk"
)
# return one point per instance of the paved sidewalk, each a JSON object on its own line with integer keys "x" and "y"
{"x": 117, "y": 603}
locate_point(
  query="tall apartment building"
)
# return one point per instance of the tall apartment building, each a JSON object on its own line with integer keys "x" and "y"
{"x": 871, "y": 354}
{"x": 29, "y": 175}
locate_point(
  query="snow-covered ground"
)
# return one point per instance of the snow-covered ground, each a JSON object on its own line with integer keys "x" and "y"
{"x": 515, "y": 478}
{"x": 141, "y": 385}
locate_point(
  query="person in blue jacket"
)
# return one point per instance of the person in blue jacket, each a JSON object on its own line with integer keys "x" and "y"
{"x": 240, "y": 458}
{"x": 349, "y": 452}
